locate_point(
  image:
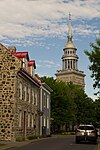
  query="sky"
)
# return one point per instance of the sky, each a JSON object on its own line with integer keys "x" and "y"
{"x": 40, "y": 27}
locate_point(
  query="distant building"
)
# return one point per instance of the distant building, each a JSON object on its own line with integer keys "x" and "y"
{"x": 70, "y": 72}
{"x": 20, "y": 96}
{"x": 45, "y": 107}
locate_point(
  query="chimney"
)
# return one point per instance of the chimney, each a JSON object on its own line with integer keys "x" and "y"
{"x": 12, "y": 48}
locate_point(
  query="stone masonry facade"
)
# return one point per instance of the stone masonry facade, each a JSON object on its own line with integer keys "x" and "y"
{"x": 19, "y": 99}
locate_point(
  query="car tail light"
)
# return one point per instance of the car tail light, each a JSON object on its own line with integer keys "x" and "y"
{"x": 77, "y": 130}
{"x": 93, "y": 132}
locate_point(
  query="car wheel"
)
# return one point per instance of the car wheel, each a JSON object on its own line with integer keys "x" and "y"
{"x": 95, "y": 142}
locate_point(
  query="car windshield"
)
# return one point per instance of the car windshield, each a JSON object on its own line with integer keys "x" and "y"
{"x": 86, "y": 128}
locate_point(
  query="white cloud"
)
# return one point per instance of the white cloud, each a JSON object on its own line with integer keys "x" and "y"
{"x": 85, "y": 30}
{"x": 36, "y": 18}
{"x": 48, "y": 62}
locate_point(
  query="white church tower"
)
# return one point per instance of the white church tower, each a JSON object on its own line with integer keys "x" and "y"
{"x": 70, "y": 72}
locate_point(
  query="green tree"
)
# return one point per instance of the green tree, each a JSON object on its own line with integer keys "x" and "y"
{"x": 62, "y": 108}
{"x": 69, "y": 104}
{"x": 94, "y": 57}
{"x": 83, "y": 105}
{"x": 97, "y": 112}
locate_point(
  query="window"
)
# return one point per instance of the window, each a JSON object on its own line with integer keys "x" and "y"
{"x": 44, "y": 121}
{"x": 36, "y": 98}
{"x": 33, "y": 72}
{"x": 29, "y": 98}
{"x": 32, "y": 96}
{"x": 44, "y": 99}
{"x": 48, "y": 123}
{"x": 32, "y": 120}
{"x": 28, "y": 119}
{"x": 20, "y": 90}
{"x": 47, "y": 101}
{"x": 25, "y": 64}
{"x": 25, "y": 93}
{"x": 20, "y": 118}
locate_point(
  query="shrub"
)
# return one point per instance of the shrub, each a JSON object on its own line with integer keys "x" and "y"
{"x": 20, "y": 139}
{"x": 32, "y": 137}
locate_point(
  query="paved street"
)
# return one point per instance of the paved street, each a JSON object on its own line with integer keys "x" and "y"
{"x": 57, "y": 143}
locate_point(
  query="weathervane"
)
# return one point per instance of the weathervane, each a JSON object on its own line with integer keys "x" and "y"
{"x": 69, "y": 16}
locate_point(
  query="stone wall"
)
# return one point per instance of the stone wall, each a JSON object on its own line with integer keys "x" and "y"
{"x": 9, "y": 66}
{"x": 26, "y": 108}
{"x": 10, "y": 103}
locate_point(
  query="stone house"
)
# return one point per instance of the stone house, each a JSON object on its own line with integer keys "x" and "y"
{"x": 19, "y": 95}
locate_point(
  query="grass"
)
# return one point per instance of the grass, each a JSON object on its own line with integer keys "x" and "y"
{"x": 64, "y": 133}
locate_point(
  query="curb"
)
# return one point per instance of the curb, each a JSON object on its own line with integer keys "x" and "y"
{"x": 8, "y": 145}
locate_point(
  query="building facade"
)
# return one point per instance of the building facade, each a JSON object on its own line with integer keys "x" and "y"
{"x": 20, "y": 96}
{"x": 70, "y": 72}
{"x": 45, "y": 108}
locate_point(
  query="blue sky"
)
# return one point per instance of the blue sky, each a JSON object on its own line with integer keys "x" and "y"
{"x": 40, "y": 27}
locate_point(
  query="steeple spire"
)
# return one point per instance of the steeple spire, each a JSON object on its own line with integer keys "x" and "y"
{"x": 69, "y": 29}
{"x": 69, "y": 41}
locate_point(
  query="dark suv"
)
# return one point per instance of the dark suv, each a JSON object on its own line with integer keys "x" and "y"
{"x": 86, "y": 133}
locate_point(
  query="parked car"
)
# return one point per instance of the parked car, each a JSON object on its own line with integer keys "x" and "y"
{"x": 98, "y": 132}
{"x": 86, "y": 133}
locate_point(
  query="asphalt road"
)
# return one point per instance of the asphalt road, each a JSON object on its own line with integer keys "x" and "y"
{"x": 57, "y": 143}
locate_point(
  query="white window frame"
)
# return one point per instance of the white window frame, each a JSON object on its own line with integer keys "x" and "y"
{"x": 32, "y": 124}
{"x": 20, "y": 88}
{"x": 36, "y": 98}
{"x": 29, "y": 119}
{"x": 48, "y": 123}
{"x": 25, "y": 64}
{"x": 25, "y": 93}
{"x": 44, "y": 121}
{"x": 33, "y": 71}
{"x": 29, "y": 94}
{"x": 48, "y": 101}
{"x": 44, "y": 99}
{"x": 32, "y": 96}
{"x": 20, "y": 118}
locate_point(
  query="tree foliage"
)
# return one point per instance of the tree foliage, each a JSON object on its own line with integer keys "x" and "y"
{"x": 69, "y": 104}
{"x": 94, "y": 57}
{"x": 97, "y": 112}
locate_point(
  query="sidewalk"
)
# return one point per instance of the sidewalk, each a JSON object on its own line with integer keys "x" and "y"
{"x": 4, "y": 145}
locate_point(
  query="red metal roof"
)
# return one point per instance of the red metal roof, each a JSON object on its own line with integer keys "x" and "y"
{"x": 21, "y": 55}
{"x": 31, "y": 63}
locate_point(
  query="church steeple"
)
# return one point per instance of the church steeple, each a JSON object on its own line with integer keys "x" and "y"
{"x": 69, "y": 59}
{"x": 69, "y": 72}
{"x": 69, "y": 42}
{"x": 69, "y": 29}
